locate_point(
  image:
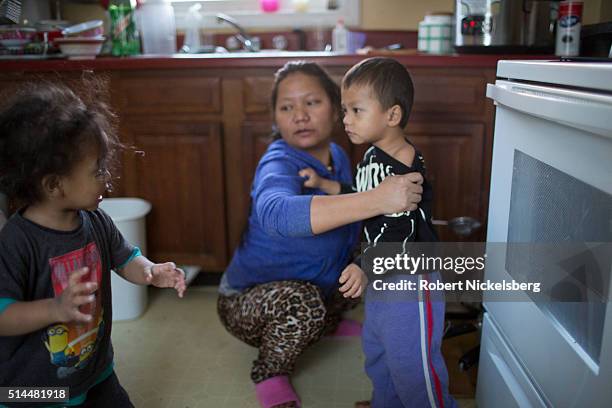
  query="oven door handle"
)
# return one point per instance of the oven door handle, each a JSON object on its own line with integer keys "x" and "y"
{"x": 583, "y": 110}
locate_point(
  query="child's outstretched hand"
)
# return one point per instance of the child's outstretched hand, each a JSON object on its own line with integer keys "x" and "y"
{"x": 166, "y": 275}
{"x": 313, "y": 180}
{"x": 76, "y": 294}
{"x": 353, "y": 280}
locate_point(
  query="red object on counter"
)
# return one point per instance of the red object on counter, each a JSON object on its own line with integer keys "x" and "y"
{"x": 568, "y": 28}
{"x": 570, "y": 8}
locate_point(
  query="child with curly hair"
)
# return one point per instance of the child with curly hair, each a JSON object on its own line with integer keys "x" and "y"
{"x": 57, "y": 250}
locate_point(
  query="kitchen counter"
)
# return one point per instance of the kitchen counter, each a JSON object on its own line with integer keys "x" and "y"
{"x": 207, "y": 117}
{"x": 255, "y": 60}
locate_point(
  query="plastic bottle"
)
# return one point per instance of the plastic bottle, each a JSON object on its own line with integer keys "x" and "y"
{"x": 340, "y": 37}
{"x": 192, "y": 35}
{"x": 568, "y": 29}
{"x": 156, "y": 20}
{"x": 123, "y": 33}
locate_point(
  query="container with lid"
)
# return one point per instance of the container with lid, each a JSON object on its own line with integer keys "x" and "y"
{"x": 435, "y": 33}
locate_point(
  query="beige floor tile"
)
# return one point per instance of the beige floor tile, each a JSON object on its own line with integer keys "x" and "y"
{"x": 179, "y": 355}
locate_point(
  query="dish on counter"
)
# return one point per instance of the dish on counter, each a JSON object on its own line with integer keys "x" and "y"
{"x": 16, "y": 37}
{"x": 93, "y": 28}
{"x": 80, "y": 47}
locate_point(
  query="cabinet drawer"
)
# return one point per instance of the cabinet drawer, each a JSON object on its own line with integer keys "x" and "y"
{"x": 449, "y": 93}
{"x": 168, "y": 92}
{"x": 502, "y": 382}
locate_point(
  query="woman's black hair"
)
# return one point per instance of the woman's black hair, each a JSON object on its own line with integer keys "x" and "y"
{"x": 45, "y": 129}
{"x": 306, "y": 68}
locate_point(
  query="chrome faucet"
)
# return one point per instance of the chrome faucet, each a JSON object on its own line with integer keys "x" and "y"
{"x": 242, "y": 36}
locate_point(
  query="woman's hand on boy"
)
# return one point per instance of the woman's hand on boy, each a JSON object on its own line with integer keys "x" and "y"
{"x": 76, "y": 294}
{"x": 400, "y": 193}
{"x": 353, "y": 281}
{"x": 166, "y": 275}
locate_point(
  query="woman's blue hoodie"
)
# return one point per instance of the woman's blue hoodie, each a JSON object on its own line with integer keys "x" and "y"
{"x": 279, "y": 244}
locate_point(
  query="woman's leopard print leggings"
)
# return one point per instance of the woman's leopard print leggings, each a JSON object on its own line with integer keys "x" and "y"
{"x": 281, "y": 319}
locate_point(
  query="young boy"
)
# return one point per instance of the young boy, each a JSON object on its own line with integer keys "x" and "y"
{"x": 58, "y": 249}
{"x": 401, "y": 339}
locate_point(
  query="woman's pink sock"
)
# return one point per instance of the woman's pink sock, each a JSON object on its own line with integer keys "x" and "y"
{"x": 348, "y": 328}
{"x": 275, "y": 391}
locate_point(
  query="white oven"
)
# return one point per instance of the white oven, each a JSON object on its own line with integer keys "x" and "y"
{"x": 551, "y": 181}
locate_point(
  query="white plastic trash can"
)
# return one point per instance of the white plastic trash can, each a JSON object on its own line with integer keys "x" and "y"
{"x": 128, "y": 214}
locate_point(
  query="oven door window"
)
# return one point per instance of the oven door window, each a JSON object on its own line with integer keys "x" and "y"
{"x": 550, "y": 210}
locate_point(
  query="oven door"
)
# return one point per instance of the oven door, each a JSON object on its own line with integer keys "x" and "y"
{"x": 552, "y": 182}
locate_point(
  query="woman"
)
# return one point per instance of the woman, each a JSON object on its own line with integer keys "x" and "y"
{"x": 280, "y": 291}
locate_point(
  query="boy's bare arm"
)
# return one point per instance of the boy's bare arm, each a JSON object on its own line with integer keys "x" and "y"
{"x": 21, "y": 318}
{"x": 142, "y": 271}
{"x": 313, "y": 180}
{"x": 331, "y": 187}
{"x": 25, "y": 317}
{"x": 136, "y": 270}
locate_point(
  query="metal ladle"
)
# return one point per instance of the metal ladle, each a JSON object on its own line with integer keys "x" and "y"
{"x": 462, "y": 226}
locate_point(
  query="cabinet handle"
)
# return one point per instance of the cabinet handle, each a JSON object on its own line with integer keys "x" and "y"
{"x": 462, "y": 226}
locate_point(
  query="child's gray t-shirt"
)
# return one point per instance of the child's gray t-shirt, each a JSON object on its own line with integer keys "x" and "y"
{"x": 35, "y": 263}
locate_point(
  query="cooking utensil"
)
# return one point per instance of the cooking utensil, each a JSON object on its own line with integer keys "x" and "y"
{"x": 462, "y": 226}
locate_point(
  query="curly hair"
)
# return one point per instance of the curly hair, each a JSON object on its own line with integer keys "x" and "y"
{"x": 45, "y": 129}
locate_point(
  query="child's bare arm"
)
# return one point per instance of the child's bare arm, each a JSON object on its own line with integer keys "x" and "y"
{"x": 313, "y": 180}
{"x": 142, "y": 271}
{"x": 25, "y": 317}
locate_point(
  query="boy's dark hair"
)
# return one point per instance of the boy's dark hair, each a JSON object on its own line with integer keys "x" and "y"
{"x": 307, "y": 68}
{"x": 45, "y": 129}
{"x": 388, "y": 79}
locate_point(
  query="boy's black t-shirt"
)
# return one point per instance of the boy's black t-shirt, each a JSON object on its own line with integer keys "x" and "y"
{"x": 35, "y": 263}
{"x": 407, "y": 226}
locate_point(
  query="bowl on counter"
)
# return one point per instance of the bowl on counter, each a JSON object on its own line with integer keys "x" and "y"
{"x": 93, "y": 28}
{"x": 16, "y": 37}
{"x": 80, "y": 47}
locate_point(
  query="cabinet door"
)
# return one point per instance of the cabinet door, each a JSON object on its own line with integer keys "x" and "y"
{"x": 180, "y": 172}
{"x": 454, "y": 157}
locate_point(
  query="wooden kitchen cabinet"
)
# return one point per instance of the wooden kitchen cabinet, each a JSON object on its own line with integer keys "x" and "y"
{"x": 174, "y": 125}
{"x": 181, "y": 173}
{"x": 203, "y": 130}
{"x": 453, "y": 155}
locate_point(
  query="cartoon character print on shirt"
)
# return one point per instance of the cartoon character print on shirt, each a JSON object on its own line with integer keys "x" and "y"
{"x": 71, "y": 345}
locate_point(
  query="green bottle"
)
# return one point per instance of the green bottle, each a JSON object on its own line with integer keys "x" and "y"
{"x": 123, "y": 32}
